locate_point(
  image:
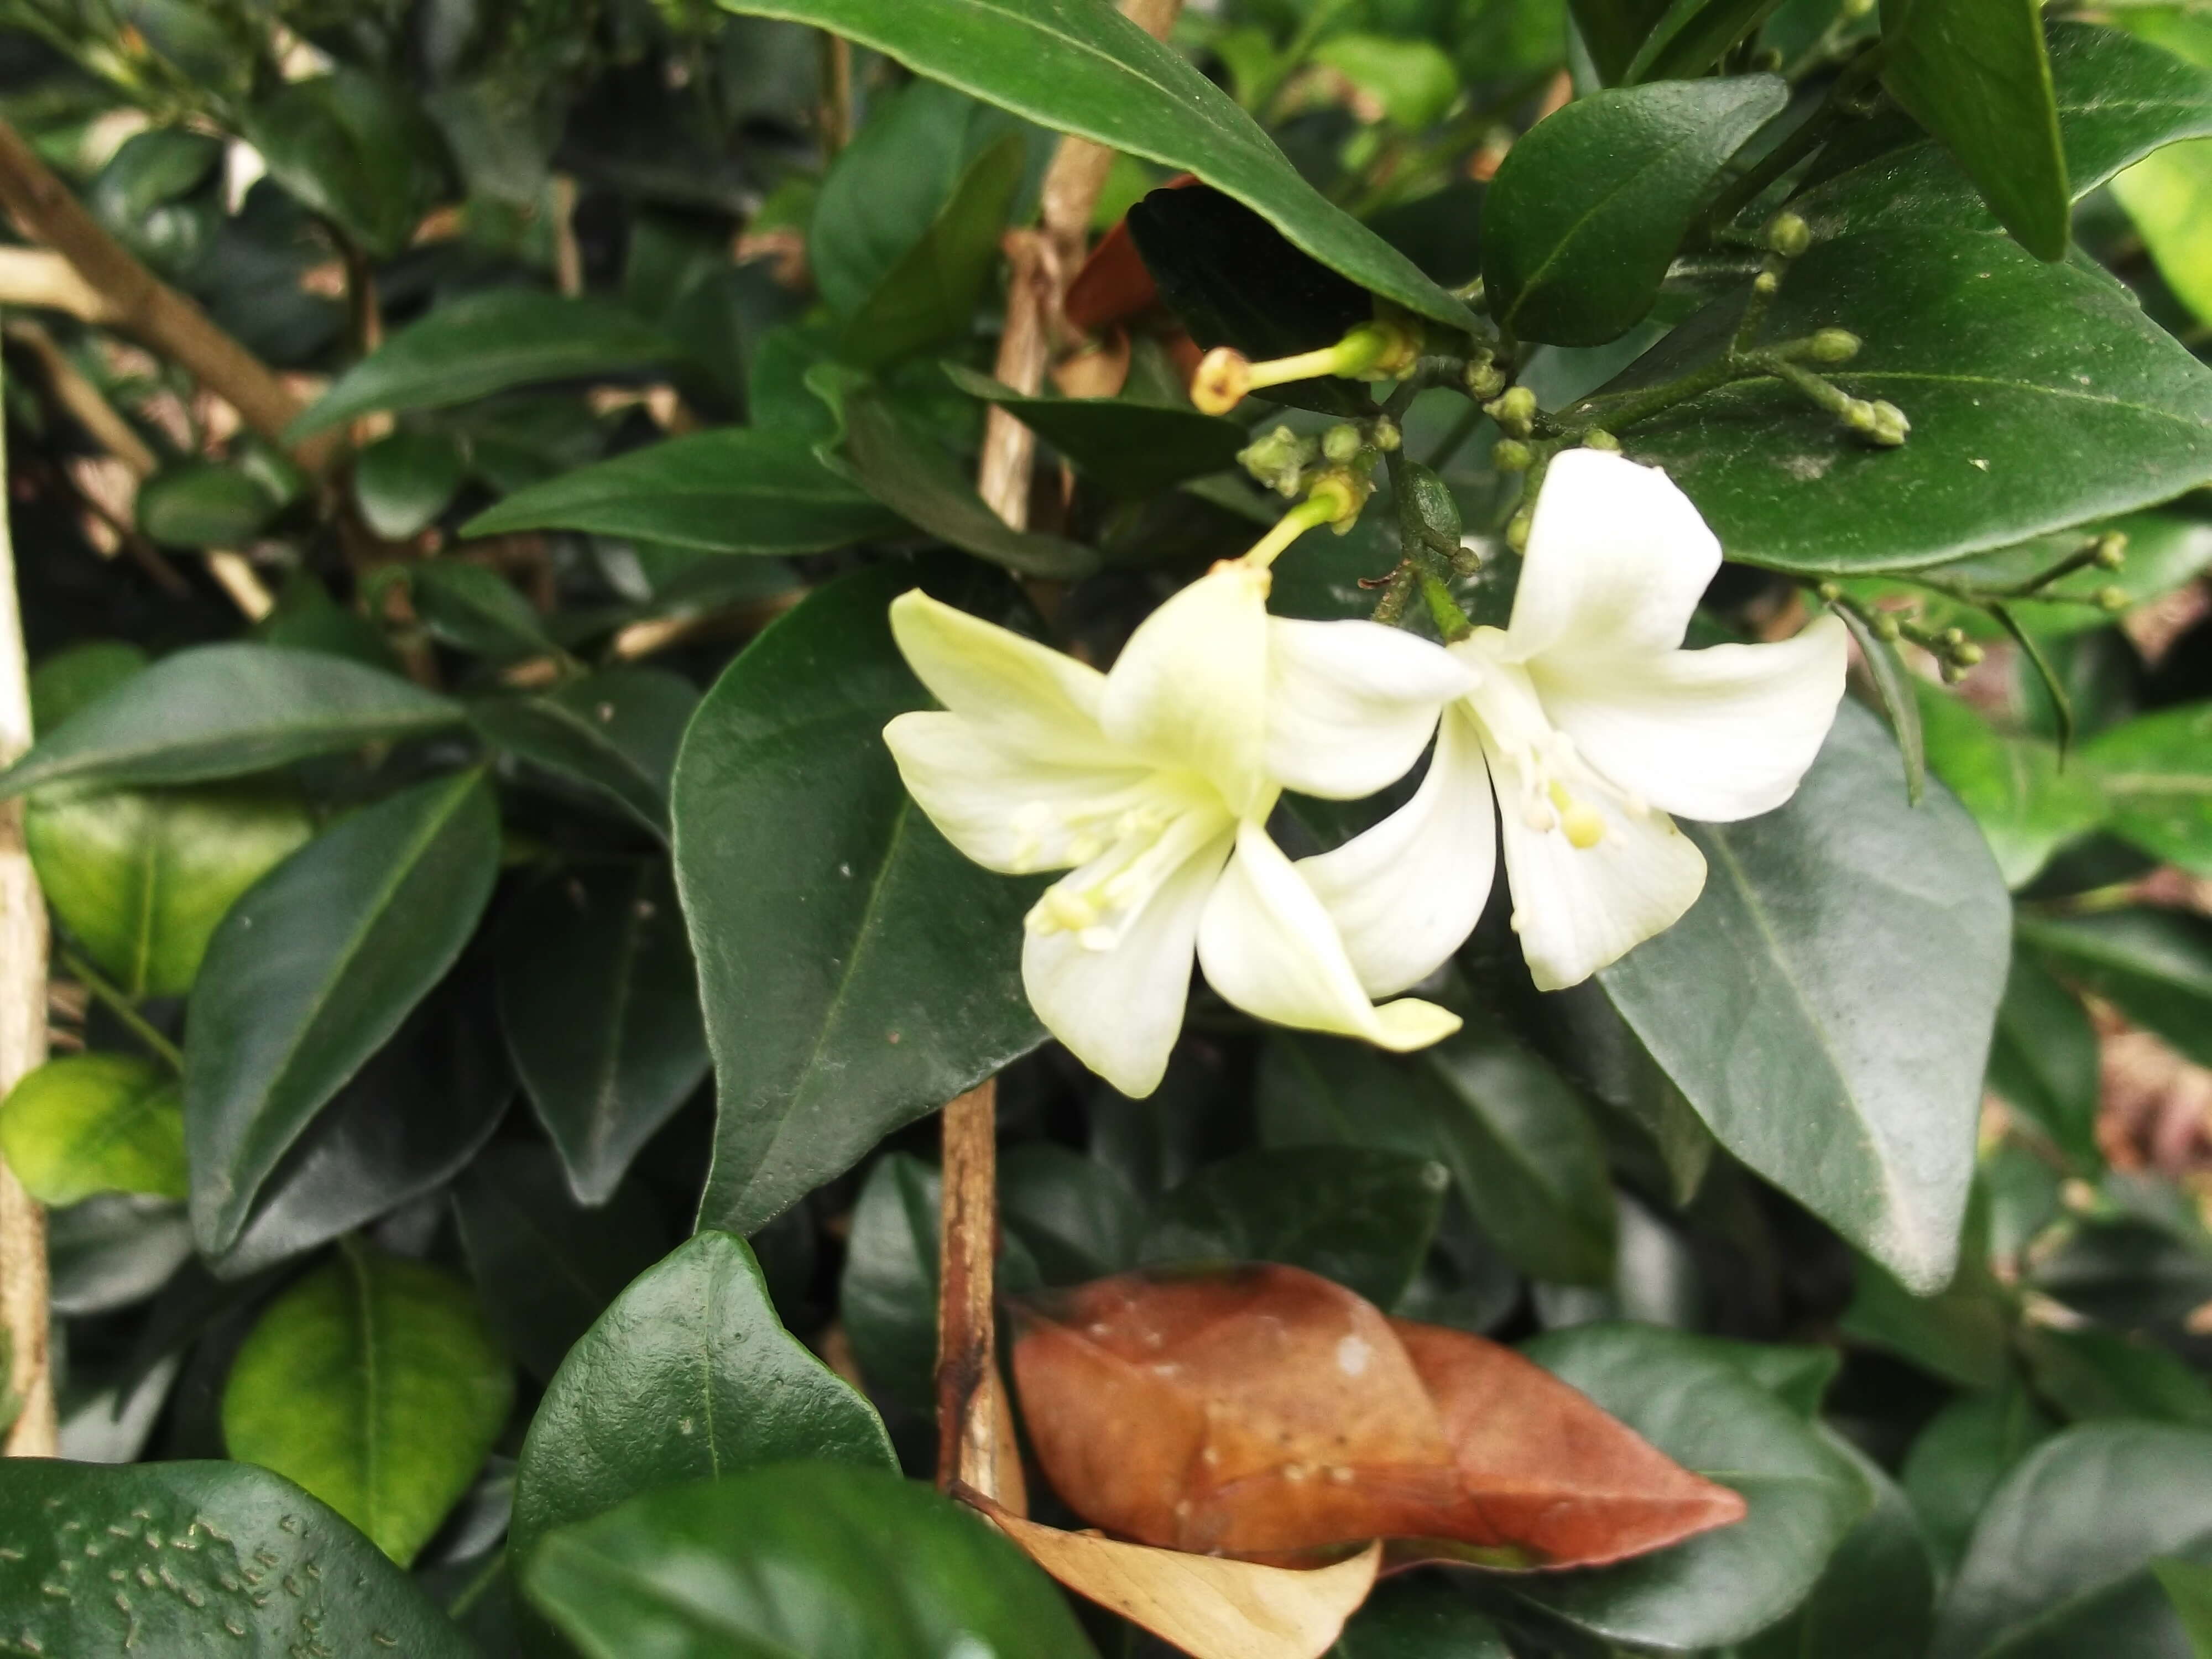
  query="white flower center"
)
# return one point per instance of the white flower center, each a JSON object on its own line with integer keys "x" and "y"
{"x": 1125, "y": 845}
{"x": 1552, "y": 788}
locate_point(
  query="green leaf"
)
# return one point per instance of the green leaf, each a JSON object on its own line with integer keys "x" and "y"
{"x": 2090, "y": 1373}
{"x": 1962, "y": 1334}
{"x": 1974, "y": 73}
{"x": 1361, "y": 1217}
{"x": 356, "y": 150}
{"x": 1898, "y": 688}
{"x": 1584, "y": 215}
{"x": 66, "y": 682}
{"x": 374, "y": 1383}
{"x": 141, "y": 878}
{"x": 312, "y": 971}
{"x": 217, "y": 711}
{"x": 887, "y": 1294}
{"x": 1877, "y": 1598}
{"x": 545, "y": 1267}
{"x": 2168, "y": 196}
{"x": 230, "y": 1536}
{"x": 1798, "y": 1377}
{"x": 1962, "y": 1455}
{"x": 930, "y": 295}
{"x": 1418, "y": 1618}
{"x": 818, "y": 1558}
{"x": 1696, "y": 1407}
{"x": 1076, "y": 1215}
{"x": 911, "y": 475}
{"x": 2189, "y": 1587}
{"x": 94, "y": 1124}
{"x": 2044, "y": 1060}
{"x": 494, "y": 341}
{"x": 478, "y": 611}
{"x": 1084, "y": 68}
{"x": 403, "y": 482}
{"x": 856, "y": 970}
{"x": 1802, "y": 976}
{"x": 614, "y": 733}
{"x": 1413, "y": 80}
{"x": 688, "y": 1375}
{"x": 2026, "y": 802}
{"x": 600, "y": 1005}
{"x": 2061, "y": 1557}
{"x": 203, "y": 504}
{"x": 1693, "y": 36}
{"x": 152, "y": 197}
{"x": 2155, "y": 774}
{"x": 1614, "y": 30}
{"x": 2154, "y": 965}
{"x": 735, "y": 489}
{"x": 1131, "y": 448}
{"x": 114, "y": 1249}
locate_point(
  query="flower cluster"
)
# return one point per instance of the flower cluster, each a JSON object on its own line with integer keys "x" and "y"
{"x": 1572, "y": 734}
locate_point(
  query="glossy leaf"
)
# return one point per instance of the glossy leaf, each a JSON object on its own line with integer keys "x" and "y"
{"x": 874, "y": 977}
{"x": 887, "y": 1294}
{"x": 1800, "y": 976}
{"x": 1693, "y": 35}
{"x": 218, "y": 711}
{"x": 614, "y": 733}
{"x": 1416, "y": 1619}
{"x": 1962, "y": 1455}
{"x": 2028, "y": 802}
{"x": 404, "y": 480}
{"x": 1614, "y": 31}
{"x": 1960, "y": 1334}
{"x": 1078, "y": 1216}
{"x": 374, "y": 1383}
{"x": 2043, "y": 1061}
{"x": 1360, "y": 1217}
{"x": 354, "y": 149}
{"x": 114, "y": 1249}
{"x": 1131, "y": 448}
{"x": 930, "y": 295}
{"x": 202, "y": 504}
{"x": 230, "y": 1534}
{"x": 600, "y": 1005}
{"x": 2156, "y": 965}
{"x": 688, "y": 1375}
{"x": 141, "y": 878}
{"x": 2088, "y": 1374}
{"x": 1084, "y": 69}
{"x": 1876, "y": 1599}
{"x": 475, "y": 609}
{"x": 94, "y": 1124}
{"x": 1266, "y": 1412}
{"x": 2155, "y": 777}
{"x": 313, "y": 970}
{"x": 1584, "y": 215}
{"x": 2064, "y": 1551}
{"x": 820, "y": 1558}
{"x": 480, "y": 343}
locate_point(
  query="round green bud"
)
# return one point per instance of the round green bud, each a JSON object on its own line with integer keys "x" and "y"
{"x": 1598, "y": 438}
{"x": 1835, "y": 346}
{"x": 1767, "y": 60}
{"x": 1484, "y": 380}
{"x": 1789, "y": 235}
{"x": 1830, "y": 591}
{"x": 1383, "y": 434}
{"x": 1886, "y": 627}
{"x": 1511, "y": 455}
{"x": 1766, "y": 284}
{"x": 1952, "y": 638}
{"x": 1516, "y": 531}
{"x": 1966, "y": 655}
{"x": 1952, "y": 672}
{"x": 1341, "y": 442}
{"x": 1890, "y": 426}
{"x": 1857, "y": 415}
{"x": 2113, "y": 598}
{"x": 1514, "y": 408}
{"x": 2111, "y": 550}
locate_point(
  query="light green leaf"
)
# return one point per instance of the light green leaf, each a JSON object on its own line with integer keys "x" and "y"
{"x": 94, "y": 1124}
{"x": 2027, "y": 803}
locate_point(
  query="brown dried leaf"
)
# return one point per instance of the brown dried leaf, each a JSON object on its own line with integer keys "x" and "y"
{"x": 1264, "y": 1412}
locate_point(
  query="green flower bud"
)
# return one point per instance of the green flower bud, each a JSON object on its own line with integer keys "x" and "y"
{"x": 1766, "y": 284}
{"x": 1886, "y": 627}
{"x": 1966, "y": 655}
{"x": 1341, "y": 442}
{"x": 1515, "y": 410}
{"x": 1830, "y": 591}
{"x": 1789, "y": 235}
{"x": 2111, "y": 550}
{"x": 1952, "y": 638}
{"x": 1511, "y": 455}
{"x": 2114, "y": 599}
{"x": 1384, "y": 434}
{"x": 1484, "y": 380}
{"x": 1835, "y": 346}
{"x": 1858, "y": 415}
{"x": 1953, "y": 672}
{"x": 1516, "y": 531}
{"x": 1890, "y": 426}
{"x": 1598, "y": 438}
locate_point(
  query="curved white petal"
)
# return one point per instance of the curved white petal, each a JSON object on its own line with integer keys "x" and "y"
{"x": 1715, "y": 735}
{"x": 1406, "y": 893}
{"x": 1119, "y": 1010}
{"x": 1617, "y": 556}
{"x": 1578, "y": 908}
{"x": 1268, "y": 946}
{"x": 1004, "y": 809}
{"x": 1025, "y": 694}
{"x": 1190, "y": 688}
{"x": 1350, "y": 704}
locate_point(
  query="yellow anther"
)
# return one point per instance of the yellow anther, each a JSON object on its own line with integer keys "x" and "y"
{"x": 1584, "y": 828}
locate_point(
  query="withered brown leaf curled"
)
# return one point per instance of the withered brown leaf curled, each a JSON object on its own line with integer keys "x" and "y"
{"x": 1266, "y": 1412}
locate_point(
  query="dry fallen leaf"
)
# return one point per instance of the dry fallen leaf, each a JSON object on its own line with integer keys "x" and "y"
{"x": 1266, "y": 1412}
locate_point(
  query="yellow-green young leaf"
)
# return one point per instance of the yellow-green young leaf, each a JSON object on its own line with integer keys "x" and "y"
{"x": 2156, "y": 775}
{"x": 95, "y": 1123}
{"x": 1413, "y": 81}
{"x": 140, "y": 878}
{"x": 2168, "y": 194}
{"x": 374, "y": 1383}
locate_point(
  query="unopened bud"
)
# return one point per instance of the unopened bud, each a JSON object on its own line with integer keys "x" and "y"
{"x": 1511, "y": 455}
{"x": 1953, "y": 671}
{"x": 1516, "y": 531}
{"x": 1598, "y": 438}
{"x": 1767, "y": 60}
{"x": 2112, "y": 550}
{"x": 1766, "y": 284}
{"x": 1835, "y": 346}
{"x": 1380, "y": 351}
{"x": 1858, "y": 414}
{"x": 1225, "y": 376}
{"x": 2113, "y": 599}
{"x": 1344, "y": 492}
{"x": 1484, "y": 380}
{"x": 1886, "y": 627}
{"x": 1789, "y": 235}
{"x": 1966, "y": 655}
{"x": 1341, "y": 442}
{"x": 1277, "y": 459}
{"x": 1951, "y": 639}
{"x": 1830, "y": 591}
{"x": 1514, "y": 409}
{"x": 1383, "y": 433}
{"x": 1890, "y": 426}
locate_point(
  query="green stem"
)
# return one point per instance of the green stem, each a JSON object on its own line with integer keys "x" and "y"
{"x": 1801, "y": 142}
{"x": 124, "y": 1010}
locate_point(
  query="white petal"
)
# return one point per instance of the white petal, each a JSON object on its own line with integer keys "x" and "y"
{"x": 1190, "y": 688}
{"x": 1025, "y": 694}
{"x": 1350, "y": 704}
{"x": 1617, "y": 555}
{"x": 1119, "y": 1010}
{"x": 1005, "y": 810}
{"x": 1268, "y": 946}
{"x": 1406, "y": 893}
{"x": 1578, "y": 908}
{"x": 1715, "y": 735}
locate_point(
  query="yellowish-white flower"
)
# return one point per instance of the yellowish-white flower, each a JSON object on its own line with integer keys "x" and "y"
{"x": 1588, "y": 724}
{"x": 1151, "y": 785}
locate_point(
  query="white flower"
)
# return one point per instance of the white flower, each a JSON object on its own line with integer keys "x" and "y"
{"x": 1153, "y": 785}
{"x": 1591, "y": 725}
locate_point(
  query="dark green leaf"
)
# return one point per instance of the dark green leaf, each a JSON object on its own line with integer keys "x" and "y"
{"x": 1586, "y": 212}
{"x": 735, "y": 489}
{"x": 1800, "y": 1011}
{"x": 356, "y": 150}
{"x": 202, "y": 504}
{"x": 887, "y": 1295}
{"x": 216, "y": 711}
{"x": 1613, "y": 31}
{"x": 615, "y": 732}
{"x": 1959, "y": 1458}
{"x": 112, "y": 1250}
{"x": 229, "y": 1535}
{"x": 152, "y": 198}
{"x": 1076, "y": 1215}
{"x": 94, "y": 1124}
{"x": 313, "y": 970}
{"x": 2155, "y": 774}
{"x": 818, "y": 1558}
{"x": 1974, "y": 72}
{"x": 687, "y": 1377}
{"x": 2061, "y": 1559}
{"x": 140, "y": 878}
{"x": 1131, "y": 448}
{"x": 601, "y": 1010}
{"x": 475, "y": 609}
{"x": 484, "y": 343}
{"x": 2156, "y": 965}
{"x": 403, "y": 482}
{"x": 1877, "y": 1598}
{"x": 930, "y": 295}
{"x": 2044, "y": 1060}
{"x": 66, "y": 682}
{"x": 1081, "y": 67}
{"x": 1896, "y": 686}
{"x": 1696, "y": 1406}
{"x": 1960, "y": 1334}
{"x": 1361, "y": 1217}
{"x": 374, "y": 1384}
{"x": 2090, "y": 1373}
{"x": 1418, "y": 1618}
{"x": 1798, "y": 1377}
{"x": 856, "y": 970}
{"x": 1693, "y": 36}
